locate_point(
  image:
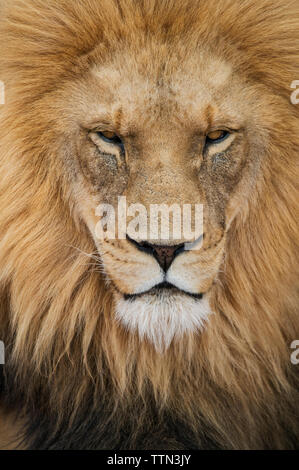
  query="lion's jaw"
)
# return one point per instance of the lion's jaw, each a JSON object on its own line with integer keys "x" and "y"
{"x": 160, "y": 305}
{"x": 161, "y": 318}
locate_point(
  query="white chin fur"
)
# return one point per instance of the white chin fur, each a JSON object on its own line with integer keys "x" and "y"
{"x": 162, "y": 318}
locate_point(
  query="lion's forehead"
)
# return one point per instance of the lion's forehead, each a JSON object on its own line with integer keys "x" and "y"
{"x": 184, "y": 89}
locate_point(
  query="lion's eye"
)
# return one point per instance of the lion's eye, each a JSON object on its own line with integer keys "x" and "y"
{"x": 216, "y": 136}
{"x": 111, "y": 138}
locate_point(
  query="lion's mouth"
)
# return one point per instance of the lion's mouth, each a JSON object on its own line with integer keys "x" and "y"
{"x": 159, "y": 289}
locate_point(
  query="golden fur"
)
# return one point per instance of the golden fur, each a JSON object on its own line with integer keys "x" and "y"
{"x": 234, "y": 382}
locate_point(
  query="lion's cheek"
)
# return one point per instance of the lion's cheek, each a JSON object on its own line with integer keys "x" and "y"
{"x": 193, "y": 275}
{"x": 129, "y": 273}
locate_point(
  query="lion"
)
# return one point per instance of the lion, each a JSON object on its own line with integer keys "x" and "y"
{"x": 138, "y": 342}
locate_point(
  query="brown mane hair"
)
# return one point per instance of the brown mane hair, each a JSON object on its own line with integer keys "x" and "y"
{"x": 70, "y": 367}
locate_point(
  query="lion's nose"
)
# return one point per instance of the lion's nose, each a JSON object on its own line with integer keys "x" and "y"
{"x": 164, "y": 254}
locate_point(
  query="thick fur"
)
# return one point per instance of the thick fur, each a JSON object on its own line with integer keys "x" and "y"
{"x": 74, "y": 376}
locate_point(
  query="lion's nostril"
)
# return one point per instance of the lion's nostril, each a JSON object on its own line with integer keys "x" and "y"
{"x": 164, "y": 254}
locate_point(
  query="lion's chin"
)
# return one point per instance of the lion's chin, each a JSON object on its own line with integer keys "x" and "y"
{"x": 164, "y": 317}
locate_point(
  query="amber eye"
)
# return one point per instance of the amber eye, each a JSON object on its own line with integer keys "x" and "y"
{"x": 111, "y": 138}
{"x": 216, "y": 136}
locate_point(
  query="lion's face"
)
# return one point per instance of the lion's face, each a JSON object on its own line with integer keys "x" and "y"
{"x": 186, "y": 133}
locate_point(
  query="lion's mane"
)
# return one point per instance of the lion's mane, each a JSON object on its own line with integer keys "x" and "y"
{"x": 72, "y": 373}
